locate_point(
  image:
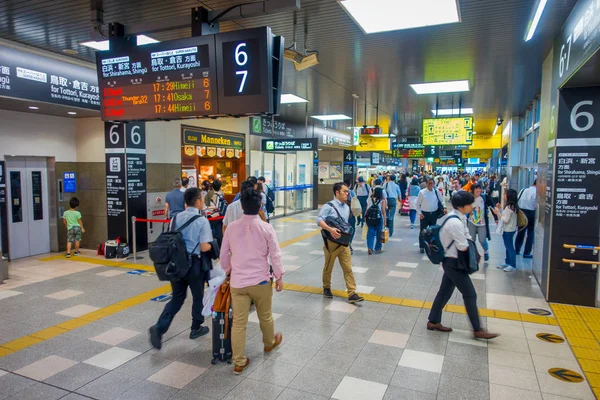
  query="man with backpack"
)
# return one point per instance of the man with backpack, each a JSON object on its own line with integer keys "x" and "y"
{"x": 197, "y": 235}
{"x": 429, "y": 202}
{"x": 454, "y": 236}
{"x": 337, "y": 208}
{"x": 394, "y": 195}
{"x": 363, "y": 191}
{"x": 270, "y": 206}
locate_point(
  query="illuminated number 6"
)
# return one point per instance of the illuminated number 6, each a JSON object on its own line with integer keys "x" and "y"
{"x": 136, "y": 138}
{"x": 575, "y": 115}
{"x": 241, "y": 54}
{"x": 114, "y": 134}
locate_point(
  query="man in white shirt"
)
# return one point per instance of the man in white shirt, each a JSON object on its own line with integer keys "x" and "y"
{"x": 527, "y": 201}
{"x": 428, "y": 202}
{"x": 453, "y": 236}
{"x": 234, "y": 210}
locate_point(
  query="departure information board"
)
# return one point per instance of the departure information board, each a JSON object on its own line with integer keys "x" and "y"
{"x": 447, "y": 131}
{"x": 193, "y": 77}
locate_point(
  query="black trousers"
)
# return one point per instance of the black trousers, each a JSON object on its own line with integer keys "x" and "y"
{"x": 429, "y": 219}
{"x": 195, "y": 280}
{"x": 454, "y": 278}
{"x": 530, "y": 214}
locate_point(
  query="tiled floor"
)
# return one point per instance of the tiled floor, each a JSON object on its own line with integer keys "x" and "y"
{"x": 331, "y": 349}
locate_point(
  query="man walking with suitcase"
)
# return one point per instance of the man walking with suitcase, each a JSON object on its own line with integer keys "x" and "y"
{"x": 198, "y": 238}
{"x": 247, "y": 246}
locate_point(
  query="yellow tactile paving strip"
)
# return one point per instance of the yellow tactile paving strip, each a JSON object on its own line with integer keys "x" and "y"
{"x": 581, "y": 327}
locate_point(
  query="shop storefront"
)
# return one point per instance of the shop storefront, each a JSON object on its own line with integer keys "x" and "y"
{"x": 206, "y": 152}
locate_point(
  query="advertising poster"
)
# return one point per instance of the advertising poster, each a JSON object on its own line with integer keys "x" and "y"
{"x": 190, "y": 173}
{"x": 335, "y": 170}
{"x": 323, "y": 170}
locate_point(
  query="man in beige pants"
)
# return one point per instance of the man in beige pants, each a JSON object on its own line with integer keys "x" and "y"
{"x": 247, "y": 245}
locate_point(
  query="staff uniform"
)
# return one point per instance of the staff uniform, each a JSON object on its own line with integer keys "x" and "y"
{"x": 427, "y": 205}
{"x": 334, "y": 250}
{"x": 453, "y": 237}
{"x": 527, "y": 202}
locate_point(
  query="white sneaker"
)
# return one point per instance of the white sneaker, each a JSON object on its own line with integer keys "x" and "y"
{"x": 509, "y": 269}
{"x": 502, "y": 266}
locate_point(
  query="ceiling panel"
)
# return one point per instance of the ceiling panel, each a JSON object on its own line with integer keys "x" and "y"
{"x": 486, "y": 47}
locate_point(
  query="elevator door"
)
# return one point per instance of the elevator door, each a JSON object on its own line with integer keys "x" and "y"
{"x": 28, "y": 217}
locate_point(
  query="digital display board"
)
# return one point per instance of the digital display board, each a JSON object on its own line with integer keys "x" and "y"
{"x": 371, "y": 131}
{"x": 447, "y": 131}
{"x": 231, "y": 73}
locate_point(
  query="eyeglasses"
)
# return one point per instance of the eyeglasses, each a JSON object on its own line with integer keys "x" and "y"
{"x": 345, "y": 191}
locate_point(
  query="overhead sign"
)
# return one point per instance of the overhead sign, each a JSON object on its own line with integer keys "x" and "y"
{"x": 447, "y": 131}
{"x": 336, "y": 140}
{"x": 69, "y": 182}
{"x": 368, "y": 143}
{"x": 578, "y": 40}
{"x": 396, "y": 145}
{"x": 196, "y": 136}
{"x": 408, "y": 139}
{"x": 550, "y": 338}
{"x": 485, "y": 153}
{"x": 432, "y": 151}
{"x": 229, "y": 73}
{"x": 264, "y": 126}
{"x": 371, "y": 131}
{"x": 33, "y": 77}
{"x": 565, "y": 375}
{"x": 289, "y": 145}
{"x": 355, "y": 136}
{"x": 485, "y": 142}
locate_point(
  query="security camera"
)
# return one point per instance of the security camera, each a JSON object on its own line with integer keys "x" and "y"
{"x": 499, "y": 121}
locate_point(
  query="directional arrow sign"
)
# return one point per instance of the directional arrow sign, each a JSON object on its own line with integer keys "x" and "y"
{"x": 550, "y": 338}
{"x": 539, "y": 311}
{"x": 361, "y": 143}
{"x": 565, "y": 375}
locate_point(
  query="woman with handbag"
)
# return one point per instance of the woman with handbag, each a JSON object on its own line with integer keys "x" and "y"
{"x": 375, "y": 225}
{"x": 508, "y": 218}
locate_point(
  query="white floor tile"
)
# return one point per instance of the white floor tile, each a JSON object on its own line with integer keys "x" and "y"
{"x": 365, "y": 289}
{"x": 552, "y": 385}
{"x": 359, "y": 389}
{"x": 300, "y": 244}
{"x": 308, "y": 229}
{"x": 177, "y": 375}
{"x": 392, "y": 339}
{"x": 509, "y": 343}
{"x": 499, "y": 392}
{"x": 115, "y": 336}
{"x": 415, "y": 244}
{"x": 542, "y": 328}
{"x": 77, "y": 311}
{"x": 359, "y": 270}
{"x": 5, "y": 294}
{"x": 253, "y": 317}
{"x": 64, "y": 294}
{"x": 317, "y": 253}
{"x": 46, "y": 367}
{"x": 360, "y": 249}
{"x": 2, "y": 373}
{"x": 425, "y": 258}
{"x": 112, "y": 358}
{"x": 399, "y": 274}
{"x": 405, "y": 264}
{"x": 480, "y": 277}
{"x": 395, "y": 239}
{"x": 341, "y": 307}
{"x": 508, "y": 376}
{"x": 502, "y": 306}
{"x": 291, "y": 268}
{"x": 510, "y": 359}
{"x": 539, "y": 348}
{"x": 503, "y": 298}
{"x": 505, "y": 321}
{"x": 506, "y": 330}
{"x": 289, "y": 257}
{"x": 110, "y": 274}
{"x": 466, "y": 337}
{"x": 543, "y": 363}
{"x": 421, "y": 360}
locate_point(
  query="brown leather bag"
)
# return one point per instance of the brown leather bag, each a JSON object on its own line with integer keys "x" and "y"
{"x": 223, "y": 302}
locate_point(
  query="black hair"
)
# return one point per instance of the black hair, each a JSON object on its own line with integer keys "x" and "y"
{"x": 247, "y": 185}
{"x": 337, "y": 187}
{"x": 393, "y": 178}
{"x": 211, "y": 177}
{"x": 377, "y": 194}
{"x": 206, "y": 185}
{"x": 253, "y": 179}
{"x": 185, "y": 181}
{"x": 347, "y": 182}
{"x": 475, "y": 186}
{"x": 415, "y": 181}
{"x": 74, "y": 202}
{"x": 216, "y": 185}
{"x": 191, "y": 195}
{"x": 461, "y": 199}
{"x": 512, "y": 200}
{"x": 251, "y": 201}
{"x": 377, "y": 182}
{"x": 428, "y": 179}
{"x": 261, "y": 178}
{"x": 534, "y": 183}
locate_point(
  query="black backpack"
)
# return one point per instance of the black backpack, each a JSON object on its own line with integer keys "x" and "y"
{"x": 373, "y": 216}
{"x": 169, "y": 253}
{"x": 270, "y": 206}
{"x": 270, "y": 195}
{"x": 222, "y": 204}
{"x": 433, "y": 244}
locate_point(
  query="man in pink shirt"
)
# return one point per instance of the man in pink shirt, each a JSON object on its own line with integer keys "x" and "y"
{"x": 247, "y": 245}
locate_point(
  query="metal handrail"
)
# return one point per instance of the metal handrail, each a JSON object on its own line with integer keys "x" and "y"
{"x": 574, "y": 247}
{"x": 572, "y": 263}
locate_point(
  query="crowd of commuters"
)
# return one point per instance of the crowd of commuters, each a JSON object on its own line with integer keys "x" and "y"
{"x": 251, "y": 257}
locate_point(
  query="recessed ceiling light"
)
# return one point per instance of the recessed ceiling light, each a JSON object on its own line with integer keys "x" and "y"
{"x": 441, "y": 87}
{"x": 70, "y": 52}
{"x": 291, "y": 99}
{"x": 533, "y": 23}
{"x": 391, "y": 15}
{"x": 33, "y": 108}
{"x": 72, "y": 113}
{"x": 105, "y": 44}
{"x": 332, "y": 117}
{"x": 453, "y": 111}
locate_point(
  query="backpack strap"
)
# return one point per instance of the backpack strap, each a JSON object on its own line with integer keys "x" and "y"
{"x": 444, "y": 223}
{"x": 330, "y": 204}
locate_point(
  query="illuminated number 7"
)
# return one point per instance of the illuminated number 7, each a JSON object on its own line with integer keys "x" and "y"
{"x": 245, "y": 74}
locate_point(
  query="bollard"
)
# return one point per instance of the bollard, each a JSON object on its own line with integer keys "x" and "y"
{"x": 133, "y": 219}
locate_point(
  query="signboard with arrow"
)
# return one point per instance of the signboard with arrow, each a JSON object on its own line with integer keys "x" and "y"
{"x": 368, "y": 143}
{"x": 550, "y": 338}
{"x": 565, "y": 375}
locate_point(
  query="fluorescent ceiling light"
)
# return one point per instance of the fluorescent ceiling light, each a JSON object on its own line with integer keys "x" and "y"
{"x": 72, "y": 113}
{"x": 33, "y": 108}
{"x": 536, "y": 19}
{"x": 332, "y": 117}
{"x": 441, "y": 87}
{"x": 391, "y": 15}
{"x": 453, "y": 111}
{"x": 105, "y": 44}
{"x": 291, "y": 99}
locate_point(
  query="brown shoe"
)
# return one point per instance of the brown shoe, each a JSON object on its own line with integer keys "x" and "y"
{"x": 278, "y": 339}
{"x": 437, "y": 327}
{"x": 483, "y": 334}
{"x": 237, "y": 370}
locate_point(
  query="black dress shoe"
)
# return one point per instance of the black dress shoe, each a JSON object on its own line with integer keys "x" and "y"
{"x": 422, "y": 251}
{"x": 355, "y": 298}
{"x": 196, "y": 333}
{"x": 327, "y": 293}
{"x": 155, "y": 337}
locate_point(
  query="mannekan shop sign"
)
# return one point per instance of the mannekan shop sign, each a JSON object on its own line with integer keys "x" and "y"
{"x": 33, "y": 77}
{"x": 194, "y": 137}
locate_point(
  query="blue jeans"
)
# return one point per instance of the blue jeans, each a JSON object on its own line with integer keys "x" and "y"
{"x": 391, "y": 213}
{"x": 374, "y": 237}
{"x": 511, "y": 254}
{"x": 352, "y": 222}
{"x": 363, "y": 205}
{"x": 413, "y": 216}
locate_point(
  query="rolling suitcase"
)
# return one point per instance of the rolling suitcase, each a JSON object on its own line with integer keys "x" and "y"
{"x": 221, "y": 337}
